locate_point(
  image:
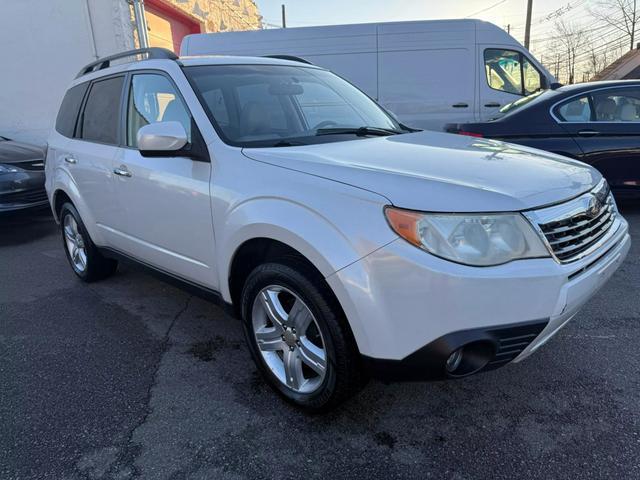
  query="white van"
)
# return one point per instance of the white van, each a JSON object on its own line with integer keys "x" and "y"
{"x": 428, "y": 73}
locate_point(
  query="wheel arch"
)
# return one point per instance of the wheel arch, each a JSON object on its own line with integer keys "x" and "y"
{"x": 254, "y": 252}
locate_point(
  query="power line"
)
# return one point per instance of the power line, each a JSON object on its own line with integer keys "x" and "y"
{"x": 486, "y": 9}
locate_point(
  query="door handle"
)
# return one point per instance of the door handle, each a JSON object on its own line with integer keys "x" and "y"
{"x": 122, "y": 171}
{"x": 460, "y": 105}
{"x": 492, "y": 105}
{"x": 70, "y": 159}
{"x": 588, "y": 133}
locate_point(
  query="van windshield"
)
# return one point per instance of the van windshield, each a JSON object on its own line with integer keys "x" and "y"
{"x": 279, "y": 105}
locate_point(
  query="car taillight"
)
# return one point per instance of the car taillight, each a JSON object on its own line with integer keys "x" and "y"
{"x": 470, "y": 134}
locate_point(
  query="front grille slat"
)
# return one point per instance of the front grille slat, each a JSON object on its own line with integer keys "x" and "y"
{"x": 583, "y": 240}
{"x": 571, "y": 235}
{"x": 24, "y": 197}
{"x": 583, "y": 230}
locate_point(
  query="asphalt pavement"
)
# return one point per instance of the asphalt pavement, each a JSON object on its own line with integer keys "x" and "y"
{"x": 133, "y": 378}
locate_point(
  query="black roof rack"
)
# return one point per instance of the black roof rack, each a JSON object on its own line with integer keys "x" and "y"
{"x": 147, "y": 53}
{"x": 292, "y": 58}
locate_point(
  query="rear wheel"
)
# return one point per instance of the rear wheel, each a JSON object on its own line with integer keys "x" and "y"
{"x": 299, "y": 337}
{"x": 84, "y": 257}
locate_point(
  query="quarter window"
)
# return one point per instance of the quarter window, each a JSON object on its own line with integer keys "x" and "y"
{"x": 510, "y": 71}
{"x": 68, "y": 114}
{"x": 575, "y": 111}
{"x": 531, "y": 76}
{"x": 152, "y": 99}
{"x": 101, "y": 111}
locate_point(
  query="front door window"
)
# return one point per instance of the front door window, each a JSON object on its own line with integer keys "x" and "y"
{"x": 511, "y": 72}
{"x": 153, "y": 98}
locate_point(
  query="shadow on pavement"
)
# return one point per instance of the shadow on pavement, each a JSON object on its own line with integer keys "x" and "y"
{"x": 25, "y": 226}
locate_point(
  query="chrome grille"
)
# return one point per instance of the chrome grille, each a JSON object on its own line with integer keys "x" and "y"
{"x": 580, "y": 225}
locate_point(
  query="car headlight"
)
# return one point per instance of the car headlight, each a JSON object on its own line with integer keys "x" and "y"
{"x": 470, "y": 239}
{"x": 4, "y": 168}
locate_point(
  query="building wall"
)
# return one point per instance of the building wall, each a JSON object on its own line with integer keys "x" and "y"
{"x": 222, "y": 15}
{"x": 43, "y": 45}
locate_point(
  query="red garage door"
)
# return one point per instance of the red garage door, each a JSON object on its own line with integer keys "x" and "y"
{"x": 167, "y": 25}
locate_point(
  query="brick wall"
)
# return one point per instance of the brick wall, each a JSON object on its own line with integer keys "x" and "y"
{"x": 222, "y": 15}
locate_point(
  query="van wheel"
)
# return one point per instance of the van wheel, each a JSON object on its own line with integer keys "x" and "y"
{"x": 299, "y": 337}
{"x": 84, "y": 257}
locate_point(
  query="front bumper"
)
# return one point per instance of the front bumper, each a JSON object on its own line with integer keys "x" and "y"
{"x": 22, "y": 190}
{"x": 410, "y": 310}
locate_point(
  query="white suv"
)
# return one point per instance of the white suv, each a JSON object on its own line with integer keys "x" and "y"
{"x": 349, "y": 245}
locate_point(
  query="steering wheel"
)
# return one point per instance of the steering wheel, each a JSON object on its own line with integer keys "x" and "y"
{"x": 325, "y": 124}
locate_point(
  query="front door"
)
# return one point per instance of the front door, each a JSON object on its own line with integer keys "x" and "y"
{"x": 506, "y": 76}
{"x": 605, "y": 123}
{"x": 167, "y": 202}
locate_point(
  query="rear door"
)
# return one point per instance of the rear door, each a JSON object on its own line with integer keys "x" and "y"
{"x": 506, "y": 75}
{"x": 606, "y": 125}
{"x": 167, "y": 202}
{"x": 90, "y": 156}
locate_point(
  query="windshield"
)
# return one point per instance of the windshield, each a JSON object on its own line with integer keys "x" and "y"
{"x": 276, "y": 105}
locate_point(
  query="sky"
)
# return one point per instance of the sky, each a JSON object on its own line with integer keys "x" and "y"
{"x": 302, "y": 13}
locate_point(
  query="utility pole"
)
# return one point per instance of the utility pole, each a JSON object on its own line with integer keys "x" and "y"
{"x": 509, "y": 29}
{"x": 527, "y": 28}
{"x": 284, "y": 17}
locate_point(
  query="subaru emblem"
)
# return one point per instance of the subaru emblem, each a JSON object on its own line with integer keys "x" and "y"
{"x": 595, "y": 205}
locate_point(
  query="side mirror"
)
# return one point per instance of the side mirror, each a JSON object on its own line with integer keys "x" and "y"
{"x": 161, "y": 139}
{"x": 544, "y": 82}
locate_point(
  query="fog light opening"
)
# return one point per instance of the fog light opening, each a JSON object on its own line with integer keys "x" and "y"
{"x": 469, "y": 358}
{"x": 453, "y": 362}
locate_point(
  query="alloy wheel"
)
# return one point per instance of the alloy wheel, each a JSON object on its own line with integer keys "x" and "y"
{"x": 289, "y": 339}
{"x": 75, "y": 243}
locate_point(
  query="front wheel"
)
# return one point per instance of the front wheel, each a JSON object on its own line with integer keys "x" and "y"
{"x": 299, "y": 337}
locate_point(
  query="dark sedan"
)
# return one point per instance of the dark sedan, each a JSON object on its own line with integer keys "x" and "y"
{"x": 21, "y": 176}
{"x": 597, "y": 123}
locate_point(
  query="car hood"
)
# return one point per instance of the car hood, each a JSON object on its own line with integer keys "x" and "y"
{"x": 16, "y": 152}
{"x": 440, "y": 172}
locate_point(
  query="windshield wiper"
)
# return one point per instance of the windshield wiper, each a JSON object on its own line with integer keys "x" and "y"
{"x": 359, "y": 131}
{"x": 287, "y": 143}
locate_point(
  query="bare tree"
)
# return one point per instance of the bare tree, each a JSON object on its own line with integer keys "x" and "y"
{"x": 571, "y": 39}
{"x": 620, "y": 14}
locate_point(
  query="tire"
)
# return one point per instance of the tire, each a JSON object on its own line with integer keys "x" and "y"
{"x": 83, "y": 256}
{"x": 289, "y": 287}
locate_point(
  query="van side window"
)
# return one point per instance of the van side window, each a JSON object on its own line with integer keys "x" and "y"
{"x": 100, "y": 118}
{"x": 69, "y": 109}
{"x": 152, "y": 99}
{"x": 510, "y": 71}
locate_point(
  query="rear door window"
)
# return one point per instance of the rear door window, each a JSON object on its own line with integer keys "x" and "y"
{"x": 69, "y": 109}
{"x": 619, "y": 105}
{"x": 100, "y": 118}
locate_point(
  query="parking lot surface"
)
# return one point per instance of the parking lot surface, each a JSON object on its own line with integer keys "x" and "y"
{"x": 132, "y": 378}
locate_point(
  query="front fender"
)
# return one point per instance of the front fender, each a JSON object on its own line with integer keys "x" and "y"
{"x": 329, "y": 240}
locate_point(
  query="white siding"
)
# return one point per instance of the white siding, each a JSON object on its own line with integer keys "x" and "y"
{"x": 43, "y": 45}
